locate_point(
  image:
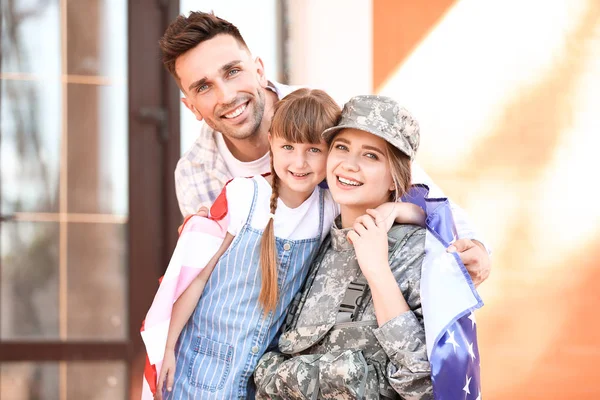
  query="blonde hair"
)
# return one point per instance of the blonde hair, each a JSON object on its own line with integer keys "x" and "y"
{"x": 400, "y": 168}
{"x": 300, "y": 117}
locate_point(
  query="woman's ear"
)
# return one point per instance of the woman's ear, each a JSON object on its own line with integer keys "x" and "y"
{"x": 393, "y": 191}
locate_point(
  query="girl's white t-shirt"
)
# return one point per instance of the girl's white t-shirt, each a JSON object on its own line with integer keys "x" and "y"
{"x": 297, "y": 223}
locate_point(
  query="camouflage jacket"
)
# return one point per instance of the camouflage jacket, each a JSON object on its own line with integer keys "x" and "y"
{"x": 328, "y": 356}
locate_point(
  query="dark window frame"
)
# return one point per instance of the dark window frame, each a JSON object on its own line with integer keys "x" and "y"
{"x": 154, "y": 148}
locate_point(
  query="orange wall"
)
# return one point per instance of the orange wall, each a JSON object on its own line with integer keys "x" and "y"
{"x": 524, "y": 161}
{"x": 398, "y": 26}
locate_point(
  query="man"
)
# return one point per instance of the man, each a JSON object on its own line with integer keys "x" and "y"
{"x": 227, "y": 88}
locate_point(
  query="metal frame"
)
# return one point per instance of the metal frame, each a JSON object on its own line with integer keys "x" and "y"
{"x": 153, "y": 155}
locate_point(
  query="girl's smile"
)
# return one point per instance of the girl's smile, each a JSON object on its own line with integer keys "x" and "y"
{"x": 300, "y": 167}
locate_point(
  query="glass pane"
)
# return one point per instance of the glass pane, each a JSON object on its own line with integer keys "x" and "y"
{"x": 29, "y": 281}
{"x": 96, "y": 381}
{"x": 97, "y": 282}
{"x": 31, "y": 37}
{"x": 97, "y": 149}
{"x": 29, "y": 381}
{"x": 90, "y": 26}
{"x": 30, "y": 122}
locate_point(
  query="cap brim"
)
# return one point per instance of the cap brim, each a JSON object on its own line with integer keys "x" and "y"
{"x": 329, "y": 132}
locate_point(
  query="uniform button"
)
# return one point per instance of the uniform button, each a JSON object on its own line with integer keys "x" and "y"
{"x": 286, "y": 246}
{"x": 255, "y": 349}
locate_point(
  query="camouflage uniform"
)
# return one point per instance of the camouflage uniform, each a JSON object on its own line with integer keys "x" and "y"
{"x": 326, "y": 356}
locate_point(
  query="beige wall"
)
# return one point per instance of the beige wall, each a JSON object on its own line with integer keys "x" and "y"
{"x": 330, "y": 46}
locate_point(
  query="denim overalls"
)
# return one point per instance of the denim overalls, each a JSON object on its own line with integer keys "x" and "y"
{"x": 226, "y": 335}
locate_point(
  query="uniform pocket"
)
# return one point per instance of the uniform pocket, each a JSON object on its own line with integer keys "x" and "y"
{"x": 209, "y": 364}
{"x": 298, "y": 377}
{"x": 344, "y": 376}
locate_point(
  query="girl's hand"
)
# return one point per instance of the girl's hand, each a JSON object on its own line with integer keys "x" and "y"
{"x": 167, "y": 372}
{"x": 370, "y": 240}
{"x": 401, "y": 213}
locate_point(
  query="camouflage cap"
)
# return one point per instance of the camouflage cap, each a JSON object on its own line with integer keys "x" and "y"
{"x": 382, "y": 116}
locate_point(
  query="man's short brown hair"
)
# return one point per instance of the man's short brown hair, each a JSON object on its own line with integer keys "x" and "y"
{"x": 185, "y": 33}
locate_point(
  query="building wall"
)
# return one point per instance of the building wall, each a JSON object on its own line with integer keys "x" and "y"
{"x": 330, "y": 46}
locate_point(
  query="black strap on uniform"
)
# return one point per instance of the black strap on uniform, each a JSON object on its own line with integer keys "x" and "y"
{"x": 355, "y": 299}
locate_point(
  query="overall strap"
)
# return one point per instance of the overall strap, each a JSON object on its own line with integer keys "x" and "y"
{"x": 321, "y": 214}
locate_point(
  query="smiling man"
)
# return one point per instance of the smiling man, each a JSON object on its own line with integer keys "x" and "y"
{"x": 226, "y": 88}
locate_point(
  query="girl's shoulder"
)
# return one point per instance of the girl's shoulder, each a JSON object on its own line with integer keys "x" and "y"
{"x": 238, "y": 197}
{"x": 244, "y": 186}
{"x": 238, "y": 188}
{"x": 241, "y": 181}
{"x": 243, "y": 191}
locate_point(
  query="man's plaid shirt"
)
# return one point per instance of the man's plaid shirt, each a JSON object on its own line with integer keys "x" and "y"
{"x": 201, "y": 173}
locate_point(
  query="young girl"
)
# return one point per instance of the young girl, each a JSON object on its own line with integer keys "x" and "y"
{"x": 357, "y": 329}
{"x": 221, "y": 326}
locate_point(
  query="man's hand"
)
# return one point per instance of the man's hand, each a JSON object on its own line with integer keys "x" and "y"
{"x": 203, "y": 212}
{"x": 475, "y": 258}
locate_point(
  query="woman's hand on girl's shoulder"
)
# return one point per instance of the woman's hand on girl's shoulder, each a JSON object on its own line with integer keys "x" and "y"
{"x": 370, "y": 240}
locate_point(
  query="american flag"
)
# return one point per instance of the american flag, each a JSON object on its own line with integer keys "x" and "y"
{"x": 449, "y": 299}
{"x": 199, "y": 240}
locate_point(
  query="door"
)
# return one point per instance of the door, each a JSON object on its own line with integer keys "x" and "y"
{"x": 88, "y": 214}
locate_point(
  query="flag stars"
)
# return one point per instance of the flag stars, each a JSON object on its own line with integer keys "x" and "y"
{"x": 452, "y": 341}
{"x": 479, "y": 396}
{"x": 471, "y": 352}
{"x": 472, "y": 318}
{"x": 466, "y": 388}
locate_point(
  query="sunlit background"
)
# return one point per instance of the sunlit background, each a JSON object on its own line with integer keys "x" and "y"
{"x": 507, "y": 94}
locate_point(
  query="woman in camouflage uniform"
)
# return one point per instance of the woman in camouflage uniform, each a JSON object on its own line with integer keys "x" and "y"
{"x": 356, "y": 330}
